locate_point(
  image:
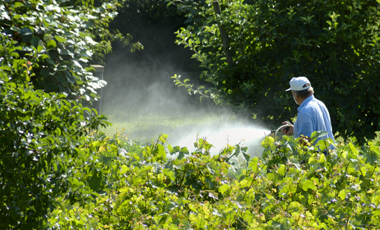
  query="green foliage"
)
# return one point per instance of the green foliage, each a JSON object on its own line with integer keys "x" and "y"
{"x": 57, "y": 172}
{"x": 153, "y": 11}
{"x": 333, "y": 43}
{"x": 41, "y": 138}
{"x": 63, "y": 38}
{"x": 293, "y": 186}
{"x": 152, "y": 22}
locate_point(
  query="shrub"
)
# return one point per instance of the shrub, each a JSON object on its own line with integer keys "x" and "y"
{"x": 41, "y": 134}
{"x": 292, "y": 186}
{"x": 64, "y": 37}
{"x": 334, "y": 43}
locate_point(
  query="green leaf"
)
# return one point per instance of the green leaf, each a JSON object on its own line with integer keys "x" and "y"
{"x": 224, "y": 188}
{"x": 70, "y": 78}
{"x": 323, "y": 145}
{"x": 317, "y": 134}
{"x": 159, "y": 152}
{"x": 322, "y": 158}
{"x": 295, "y": 207}
{"x": 184, "y": 150}
{"x": 27, "y": 38}
{"x": 342, "y": 194}
{"x": 26, "y": 31}
{"x": 171, "y": 149}
{"x": 169, "y": 174}
{"x": 376, "y": 198}
{"x": 170, "y": 206}
{"x": 96, "y": 181}
{"x": 281, "y": 170}
{"x": 244, "y": 183}
{"x": 246, "y": 156}
{"x": 308, "y": 184}
{"x": 60, "y": 39}
{"x": 18, "y": 4}
{"x": 107, "y": 158}
{"x": 51, "y": 44}
{"x": 180, "y": 155}
{"x": 253, "y": 164}
{"x": 50, "y": 61}
{"x": 124, "y": 169}
{"x": 268, "y": 142}
{"x": 353, "y": 149}
{"x": 40, "y": 48}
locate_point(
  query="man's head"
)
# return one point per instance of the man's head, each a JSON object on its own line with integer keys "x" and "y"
{"x": 301, "y": 89}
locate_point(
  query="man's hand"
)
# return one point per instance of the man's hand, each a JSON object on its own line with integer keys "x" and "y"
{"x": 287, "y": 130}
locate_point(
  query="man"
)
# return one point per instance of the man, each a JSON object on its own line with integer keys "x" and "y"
{"x": 312, "y": 113}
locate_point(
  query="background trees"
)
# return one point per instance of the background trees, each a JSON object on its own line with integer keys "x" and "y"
{"x": 45, "y": 134}
{"x": 334, "y": 43}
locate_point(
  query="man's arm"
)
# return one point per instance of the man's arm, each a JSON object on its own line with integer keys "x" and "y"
{"x": 304, "y": 125}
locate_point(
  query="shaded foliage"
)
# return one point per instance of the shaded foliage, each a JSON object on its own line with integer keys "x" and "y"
{"x": 153, "y": 24}
{"x": 334, "y": 43}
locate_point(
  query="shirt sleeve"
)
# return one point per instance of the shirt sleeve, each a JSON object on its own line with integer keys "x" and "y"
{"x": 304, "y": 125}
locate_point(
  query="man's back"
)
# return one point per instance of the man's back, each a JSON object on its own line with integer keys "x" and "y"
{"x": 313, "y": 116}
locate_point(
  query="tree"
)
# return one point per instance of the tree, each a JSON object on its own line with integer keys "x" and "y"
{"x": 46, "y": 135}
{"x": 334, "y": 43}
{"x": 64, "y": 35}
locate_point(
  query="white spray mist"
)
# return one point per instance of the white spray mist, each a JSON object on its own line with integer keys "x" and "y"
{"x": 142, "y": 101}
{"x": 228, "y": 134}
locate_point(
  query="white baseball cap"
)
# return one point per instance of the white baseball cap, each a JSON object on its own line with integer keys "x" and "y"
{"x": 298, "y": 84}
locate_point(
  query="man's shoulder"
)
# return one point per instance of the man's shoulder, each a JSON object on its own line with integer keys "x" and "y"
{"x": 314, "y": 102}
{"x": 319, "y": 102}
{"x": 312, "y": 105}
{"x": 307, "y": 110}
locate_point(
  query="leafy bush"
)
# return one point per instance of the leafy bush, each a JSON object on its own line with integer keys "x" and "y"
{"x": 333, "y": 43}
{"x": 45, "y": 51}
{"x": 63, "y": 36}
{"x": 41, "y": 135}
{"x": 292, "y": 186}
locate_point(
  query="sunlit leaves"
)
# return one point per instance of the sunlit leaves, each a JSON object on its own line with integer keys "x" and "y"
{"x": 308, "y": 184}
{"x": 46, "y": 147}
{"x": 253, "y": 164}
{"x": 63, "y": 31}
{"x": 325, "y": 192}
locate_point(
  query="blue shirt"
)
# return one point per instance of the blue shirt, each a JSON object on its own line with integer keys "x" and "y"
{"x": 313, "y": 116}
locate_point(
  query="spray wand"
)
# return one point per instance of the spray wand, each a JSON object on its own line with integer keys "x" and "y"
{"x": 286, "y": 127}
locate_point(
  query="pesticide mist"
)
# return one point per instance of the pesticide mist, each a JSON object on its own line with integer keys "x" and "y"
{"x": 227, "y": 134}
{"x": 142, "y": 102}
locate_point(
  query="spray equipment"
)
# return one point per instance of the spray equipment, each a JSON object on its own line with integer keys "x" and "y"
{"x": 286, "y": 127}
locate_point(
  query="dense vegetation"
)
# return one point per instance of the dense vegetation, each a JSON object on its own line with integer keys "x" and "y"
{"x": 165, "y": 187}
{"x": 57, "y": 171}
{"x": 45, "y": 51}
{"x": 251, "y": 51}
